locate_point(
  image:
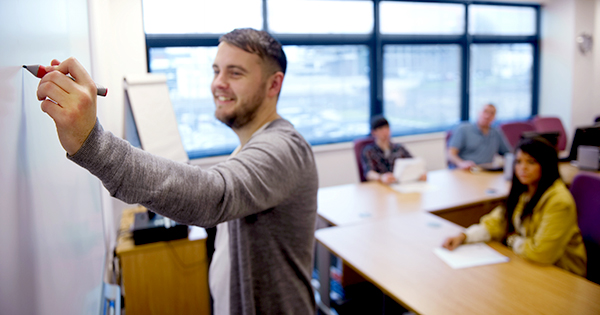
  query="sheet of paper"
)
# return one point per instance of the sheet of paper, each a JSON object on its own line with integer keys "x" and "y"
{"x": 470, "y": 255}
{"x": 413, "y": 187}
{"x": 409, "y": 169}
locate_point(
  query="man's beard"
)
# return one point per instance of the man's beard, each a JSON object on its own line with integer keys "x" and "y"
{"x": 246, "y": 112}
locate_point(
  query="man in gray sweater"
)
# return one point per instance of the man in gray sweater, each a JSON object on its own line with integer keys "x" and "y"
{"x": 264, "y": 197}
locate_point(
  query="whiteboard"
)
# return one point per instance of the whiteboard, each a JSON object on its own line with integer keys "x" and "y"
{"x": 52, "y": 246}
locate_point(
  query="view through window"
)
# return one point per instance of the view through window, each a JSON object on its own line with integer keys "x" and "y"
{"x": 425, "y": 65}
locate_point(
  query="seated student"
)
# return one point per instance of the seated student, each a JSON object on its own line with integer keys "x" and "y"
{"x": 473, "y": 144}
{"x": 378, "y": 158}
{"x": 539, "y": 218}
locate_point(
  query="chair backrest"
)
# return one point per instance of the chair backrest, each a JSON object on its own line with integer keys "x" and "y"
{"x": 448, "y": 136}
{"x": 513, "y": 130}
{"x": 548, "y": 124}
{"x": 585, "y": 190}
{"x": 359, "y": 145}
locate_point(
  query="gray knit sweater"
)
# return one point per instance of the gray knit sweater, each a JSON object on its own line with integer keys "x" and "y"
{"x": 267, "y": 192}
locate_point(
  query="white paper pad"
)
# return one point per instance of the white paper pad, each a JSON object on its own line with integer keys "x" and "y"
{"x": 408, "y": 170}
{"x": 414, "y": 187}
{"x": 470, "y": 255}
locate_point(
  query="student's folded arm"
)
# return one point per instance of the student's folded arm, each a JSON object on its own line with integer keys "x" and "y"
{"x": 491, "y": 226}
{"x": 453, "y": 155}
{"x": 550, "y": 240}
{"x": 495, "y": 223}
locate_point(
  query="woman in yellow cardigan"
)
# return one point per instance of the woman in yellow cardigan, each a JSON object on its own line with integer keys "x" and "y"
{"x": 543, "y": 225}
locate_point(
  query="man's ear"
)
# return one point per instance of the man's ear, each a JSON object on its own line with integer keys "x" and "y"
{"x": 274, "y": 84}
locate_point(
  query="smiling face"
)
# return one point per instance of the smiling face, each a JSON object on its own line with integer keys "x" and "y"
{"x": 239, "y": 86}
{"x": 527, "y": 169}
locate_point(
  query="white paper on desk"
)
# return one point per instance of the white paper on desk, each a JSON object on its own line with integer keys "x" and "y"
{"x": 470, "y": 255}
{"x": 196, "y": 233}
{"x": 409, "y": 169}
{"x": 413, "y": 187}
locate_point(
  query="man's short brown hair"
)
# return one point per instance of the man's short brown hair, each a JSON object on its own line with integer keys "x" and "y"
{"x": 260, "y": 43}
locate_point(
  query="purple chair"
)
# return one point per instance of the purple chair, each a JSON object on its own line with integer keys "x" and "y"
{"x": 549, "y": 124}
{"x": 513, "y": 130}
{"x": 359, "y": 145}
{"x": 448, "y": 136}
{"x": 586, "y": 192}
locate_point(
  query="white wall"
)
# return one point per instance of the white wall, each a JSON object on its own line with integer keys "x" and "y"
{"x": 568, "y": 77}
{"x": 595, "y": 102}
{"x": 582, "y": 110}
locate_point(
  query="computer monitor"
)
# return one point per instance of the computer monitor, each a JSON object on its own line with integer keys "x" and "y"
{"x": 550, "y": 136}
{"x": 589, "y": 135}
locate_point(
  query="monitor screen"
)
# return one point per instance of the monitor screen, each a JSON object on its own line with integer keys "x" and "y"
{"x": 584, "y": 136}
{"x": 551, "y": 136}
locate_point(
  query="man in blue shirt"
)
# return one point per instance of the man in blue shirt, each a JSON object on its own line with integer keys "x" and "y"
{"x": 473, "y": 144}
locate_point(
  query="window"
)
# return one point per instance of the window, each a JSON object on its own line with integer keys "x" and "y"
{"x": 320, "y": 17}
{"x": 421, "y": 18}
{"x": 199, "y": 17}
{"x": 426, "y": 65}
{"x": 421, "y": 86}
{"x": 501, "y": 74}
{"x": 326, "y": 92}
{"x": 502, "y": 20}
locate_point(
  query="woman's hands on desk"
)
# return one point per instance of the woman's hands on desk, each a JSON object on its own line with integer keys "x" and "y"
{"x": 453, "y": 242}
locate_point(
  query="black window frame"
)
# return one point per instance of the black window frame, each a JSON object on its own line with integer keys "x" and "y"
{"x": 375, "y": 42}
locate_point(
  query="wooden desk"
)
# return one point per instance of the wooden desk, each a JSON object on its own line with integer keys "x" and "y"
{"x": 396, "y": 255}
{"x": 459, "y": 196}
{"x": 451, "y": 194}
{"x": 163, "y": 277}
{"x": 568, "y": 171}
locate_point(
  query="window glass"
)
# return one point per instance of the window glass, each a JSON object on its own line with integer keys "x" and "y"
{"x": 202, "y": 16}
{"x": 320, "y": 17}
{"x": 326, "y": 92}
{"x": 501, "y": 74}
{"x": 421, "y": 87}
{"x": 421, "y": 18}
{"x": 501, "y": 20}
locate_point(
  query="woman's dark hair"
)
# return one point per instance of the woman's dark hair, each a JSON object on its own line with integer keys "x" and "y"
{"x": 547, "y": 156}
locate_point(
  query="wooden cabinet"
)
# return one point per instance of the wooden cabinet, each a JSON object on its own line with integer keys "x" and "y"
{"x": 163, "y": 277}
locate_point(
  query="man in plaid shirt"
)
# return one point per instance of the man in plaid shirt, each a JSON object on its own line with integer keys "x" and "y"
{"x": 378, "y": 158}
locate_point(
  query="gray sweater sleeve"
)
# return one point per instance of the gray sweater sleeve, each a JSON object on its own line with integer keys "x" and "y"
{"x": 241, "y": 186}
